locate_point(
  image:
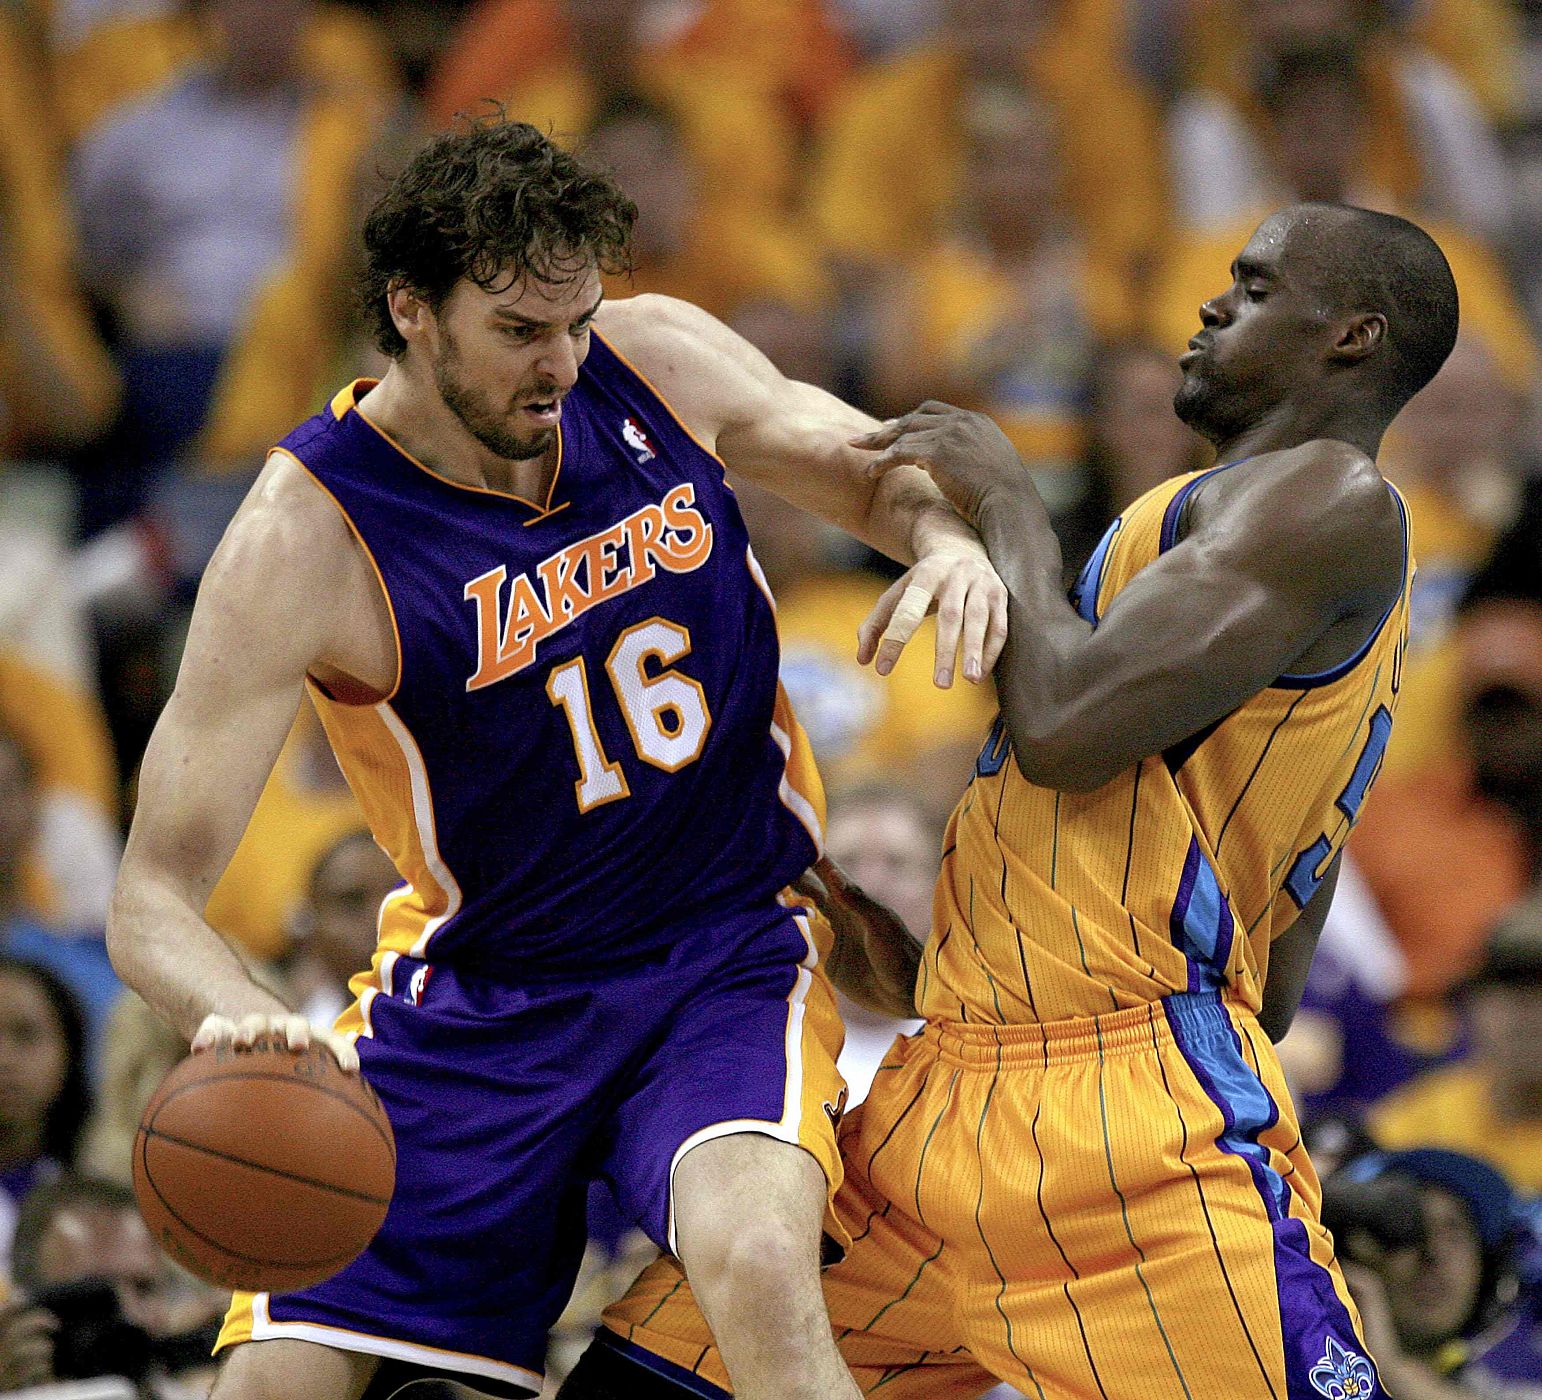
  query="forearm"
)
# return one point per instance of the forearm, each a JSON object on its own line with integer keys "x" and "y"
{"x": 163, "y": 949}
{"x": 1035, "y": 677}
{"x": 907, "y": 518}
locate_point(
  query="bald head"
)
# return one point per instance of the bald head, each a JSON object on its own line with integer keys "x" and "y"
{"x": 1362, "y": 261}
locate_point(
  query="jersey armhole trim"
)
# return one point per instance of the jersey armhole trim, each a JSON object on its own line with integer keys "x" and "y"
{"x": 1172, "y": 516}
{"x": 396, "y": 631}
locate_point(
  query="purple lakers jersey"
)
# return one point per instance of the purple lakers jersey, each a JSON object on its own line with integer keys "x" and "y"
{"x": 587, "y": 747}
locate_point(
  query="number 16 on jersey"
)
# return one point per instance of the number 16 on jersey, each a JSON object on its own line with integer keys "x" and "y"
{"x": 666, "y": 711}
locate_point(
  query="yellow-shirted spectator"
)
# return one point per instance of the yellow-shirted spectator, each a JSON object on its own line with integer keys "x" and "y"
{"x": 789, "y": 54}
{"x": 111, "y": 52}
{"x": 58, "y": 387}
{"x": 304, "y": 810}
{"x": 717, "y": 254}
{"x": 1332, "y": 78}
{"x": 216, "y": 215}
{"x": 1489, "y": 1106}
{"x": 1479, "y": 39}
{"x": 1002, "y": 312}
{"x": 895, "y": 151}
{"x": 48, "y": 702}
{"x": 559, "y": 63}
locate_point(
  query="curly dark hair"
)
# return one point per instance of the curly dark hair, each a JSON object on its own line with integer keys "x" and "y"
{"x": 494, "y": 201}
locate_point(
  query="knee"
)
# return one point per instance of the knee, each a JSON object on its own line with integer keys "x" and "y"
{"x": 751, "y": 1261}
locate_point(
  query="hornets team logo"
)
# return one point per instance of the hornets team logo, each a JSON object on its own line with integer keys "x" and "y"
{"x": 1343, "y": 1374}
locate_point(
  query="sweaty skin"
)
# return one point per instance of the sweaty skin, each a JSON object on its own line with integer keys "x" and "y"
{"x": 289, "y": 593}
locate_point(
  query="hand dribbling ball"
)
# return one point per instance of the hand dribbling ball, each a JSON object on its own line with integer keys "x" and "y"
{"x": 264, "y": 1170}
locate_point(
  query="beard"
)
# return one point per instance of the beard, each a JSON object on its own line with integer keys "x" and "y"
{"x": 479, "y": 416}
{"x": 1204, "y": 403}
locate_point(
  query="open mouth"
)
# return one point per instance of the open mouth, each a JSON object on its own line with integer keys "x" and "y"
{"x": 547, "y": 412}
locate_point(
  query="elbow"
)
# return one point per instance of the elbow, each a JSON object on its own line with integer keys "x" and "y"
{"x": 118, "y": 943}
{"x": 1057, "y": 741}
{"x": 1064, "y": 762}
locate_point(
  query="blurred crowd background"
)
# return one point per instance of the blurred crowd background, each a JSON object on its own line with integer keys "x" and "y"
{"x": 1018, "y": 205}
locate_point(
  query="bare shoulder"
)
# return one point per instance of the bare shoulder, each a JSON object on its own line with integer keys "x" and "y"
{"x": 650, "y": 324}
{"x": 290, "y": 580}
{"x": 286, "y": 539}
{"x": 1322, "y": 508}
{"x": 709, "y": 373}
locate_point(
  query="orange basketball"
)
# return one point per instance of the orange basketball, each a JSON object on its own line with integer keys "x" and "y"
{"x": 264, "y": 1170}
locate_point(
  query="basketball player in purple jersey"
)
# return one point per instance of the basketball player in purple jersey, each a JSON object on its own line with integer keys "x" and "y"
{"x": 514, "y": 581}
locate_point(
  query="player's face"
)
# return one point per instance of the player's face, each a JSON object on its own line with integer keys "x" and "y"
{"x": 504, "y": 360}
{"x": 1261, "y": 341}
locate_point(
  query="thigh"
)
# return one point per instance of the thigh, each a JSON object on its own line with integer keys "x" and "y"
{"x": 891, "y": 1299}
{"x": 751, "y": 1051}
{"x": 292, "y": 1371}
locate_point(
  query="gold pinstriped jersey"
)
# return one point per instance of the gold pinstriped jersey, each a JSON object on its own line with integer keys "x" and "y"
{"x": 1177, "y": 874}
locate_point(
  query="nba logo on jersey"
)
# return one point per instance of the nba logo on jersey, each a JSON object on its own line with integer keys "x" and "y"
{"x": 637, "y": 440}
{"x": 416, "y": 985}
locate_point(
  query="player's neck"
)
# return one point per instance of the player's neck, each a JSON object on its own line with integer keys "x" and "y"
{"x": 1291, "y": 424}
{"x": 418, "y": 420}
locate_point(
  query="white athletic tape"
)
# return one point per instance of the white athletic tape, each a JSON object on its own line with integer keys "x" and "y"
{"x": 913, "y": 606}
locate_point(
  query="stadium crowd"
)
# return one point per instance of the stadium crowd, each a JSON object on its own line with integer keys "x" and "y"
{"x": 1017, "y": 205}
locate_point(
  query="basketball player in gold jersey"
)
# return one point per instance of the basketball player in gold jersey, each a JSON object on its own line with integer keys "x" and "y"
{"x": 1084, "y": 1176}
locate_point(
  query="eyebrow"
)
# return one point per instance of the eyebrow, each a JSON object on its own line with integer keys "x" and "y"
{"x": 504, "y": 313}
{"x": 1246, "y": 268}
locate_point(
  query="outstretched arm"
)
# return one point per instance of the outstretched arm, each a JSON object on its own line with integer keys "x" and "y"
{"x": 1299, "y": 543}
{"x": 795, "y": 440}
{"x": 255, "y": 631}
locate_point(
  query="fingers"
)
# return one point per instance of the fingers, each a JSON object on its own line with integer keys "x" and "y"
{"x": 976, "y": 632}
{"x": 287, "y": 1030}
{"x": 895, "y": 428}
{"x": 909, "y": 613}
{"x": 876, "y": 621}
{"x": 950, "y": 626}
{"x": 343, "y": 1051}
{"x": 996, "y": 628}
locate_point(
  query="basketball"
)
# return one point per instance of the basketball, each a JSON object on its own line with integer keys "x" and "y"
{"x": 263, "y": 1170}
